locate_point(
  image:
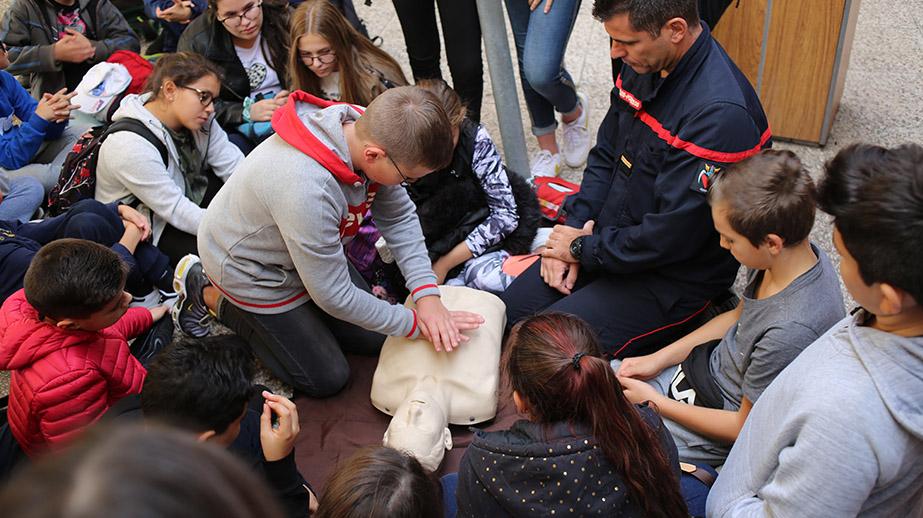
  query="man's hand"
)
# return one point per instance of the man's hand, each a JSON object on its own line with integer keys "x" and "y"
{"x": 642, "y": 367}
{"x": 179, "y": 12}
{"x": 134, "y": 217}
{"x": 558, "y": 245}
{"x": 73, "y": 47}
{"x": 279, "y": 441}
{"x": 443, "y": 327}
{"x": 638, "y": 391}
{"x": 559, "y": 274}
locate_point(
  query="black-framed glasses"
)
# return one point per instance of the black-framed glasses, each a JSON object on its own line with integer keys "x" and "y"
{"x": 325, "y": 59}
{"x": 249, "y": 12}
{"x": 205, "y": 98}
{"x": 405, "y": 181}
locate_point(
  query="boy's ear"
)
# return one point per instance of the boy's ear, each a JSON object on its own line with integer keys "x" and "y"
{"x": 206, "y": 436}
{"x": 893, "y": 300}
{"x": 67, "y": 323}
{"x": 774, "y": 242}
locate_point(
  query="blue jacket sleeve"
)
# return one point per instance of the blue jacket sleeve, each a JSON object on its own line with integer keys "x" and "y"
{"x": 20, "y": 144}
{"x": 680, "y": 224}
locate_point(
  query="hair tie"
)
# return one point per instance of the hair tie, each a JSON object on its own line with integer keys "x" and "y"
{"x": 575, "y": 361}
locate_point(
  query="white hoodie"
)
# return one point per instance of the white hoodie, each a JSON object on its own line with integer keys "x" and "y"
{"x": 130, "y": 168}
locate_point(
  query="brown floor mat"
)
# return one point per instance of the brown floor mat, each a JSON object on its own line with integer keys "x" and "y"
{"x": 333, "y": 428}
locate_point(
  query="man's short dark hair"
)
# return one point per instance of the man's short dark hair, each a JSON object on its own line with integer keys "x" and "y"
{"x": 199, "y": 384}
{"x": 875, "y": 196}
{"x": 768, "y": 193}
{"x": 648, "y": 15}
{"x": 73, "y": 278}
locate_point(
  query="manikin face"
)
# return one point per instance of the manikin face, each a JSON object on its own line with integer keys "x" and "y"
{"x": 318, "y": 55}
{"x": 243, "y": 19}
{"x": 643, "y": 53}
{"x": 420, "y": 428}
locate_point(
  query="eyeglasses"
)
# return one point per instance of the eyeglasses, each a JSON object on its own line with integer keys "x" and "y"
{"x": 325, "y": 59}
{"x": 404, "y": 180}
{"x": 205, "y": 98}
{"x": 249, "y": 12}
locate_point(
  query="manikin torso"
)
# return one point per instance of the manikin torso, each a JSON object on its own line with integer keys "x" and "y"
{"x": 426, "y": 390}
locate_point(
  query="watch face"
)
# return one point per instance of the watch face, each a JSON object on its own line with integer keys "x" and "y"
{"x": 576, "y": 247}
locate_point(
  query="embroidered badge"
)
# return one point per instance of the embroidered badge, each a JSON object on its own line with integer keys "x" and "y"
{"x": 704, "y": 177}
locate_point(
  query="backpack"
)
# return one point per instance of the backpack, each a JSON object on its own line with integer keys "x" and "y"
{"x": 77, "y": 180}
{"x": 552, "y": 192}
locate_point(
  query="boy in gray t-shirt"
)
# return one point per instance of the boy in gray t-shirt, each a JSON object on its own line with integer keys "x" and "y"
{"x": 705, "y": 383}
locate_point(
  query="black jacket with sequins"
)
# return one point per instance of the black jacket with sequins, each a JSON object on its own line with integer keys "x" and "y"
{"x": 540, "y": 470}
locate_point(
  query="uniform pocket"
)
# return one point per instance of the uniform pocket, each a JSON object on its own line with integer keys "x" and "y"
{"x": 642, "y": 197}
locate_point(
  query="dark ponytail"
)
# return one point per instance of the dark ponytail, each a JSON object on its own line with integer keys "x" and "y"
{"x": 183, "y": 68}
{"x": 554, "y": 363}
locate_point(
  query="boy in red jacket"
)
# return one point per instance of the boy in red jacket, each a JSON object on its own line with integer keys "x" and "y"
{"x": 65, "y": 339}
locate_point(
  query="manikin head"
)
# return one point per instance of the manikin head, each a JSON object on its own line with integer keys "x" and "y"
{"x": 420, "y": 428}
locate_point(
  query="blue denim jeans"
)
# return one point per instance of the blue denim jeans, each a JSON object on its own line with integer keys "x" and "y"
{"x": 25, "y": 195}
{"x": 541, "y": 40}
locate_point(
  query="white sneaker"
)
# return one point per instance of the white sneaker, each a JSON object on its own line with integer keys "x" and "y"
{"x": 150, "y": 300}
{"x": 545, "y": 164}
{"x": 577, "y": 136}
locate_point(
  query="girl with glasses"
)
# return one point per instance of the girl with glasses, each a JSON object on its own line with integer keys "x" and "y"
{"x": 178, "y": 108}
{"x": 330, "y": 59}
{"x": 248, "y": 40}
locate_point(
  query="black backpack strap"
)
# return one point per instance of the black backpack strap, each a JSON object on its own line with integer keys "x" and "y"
{"x": 138, "y": 127}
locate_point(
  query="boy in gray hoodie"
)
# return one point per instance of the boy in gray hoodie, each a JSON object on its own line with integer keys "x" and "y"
{"x": 840, "y": 431}
{"x": 272, "y": 239}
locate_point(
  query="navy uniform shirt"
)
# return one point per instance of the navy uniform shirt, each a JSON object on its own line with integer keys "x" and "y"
{"x": 656, "y": 152}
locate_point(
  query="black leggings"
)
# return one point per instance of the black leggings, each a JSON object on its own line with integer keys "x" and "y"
{"x": 462, "y": 31}
{"x": 304, "y": 347}
{"x": 174, "y": 242}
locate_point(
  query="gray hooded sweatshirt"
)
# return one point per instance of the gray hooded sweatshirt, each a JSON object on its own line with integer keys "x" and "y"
{"x": 272, "y": 238}
{"x": 130, "y": 168}
{"x": 838, "y": 433}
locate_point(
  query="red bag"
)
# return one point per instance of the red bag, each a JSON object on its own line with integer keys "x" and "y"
{"x": 552, "y": 192}
{"x": 139, "y": 68}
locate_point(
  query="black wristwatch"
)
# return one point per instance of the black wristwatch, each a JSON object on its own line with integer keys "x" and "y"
{"x": 576, "y": 247}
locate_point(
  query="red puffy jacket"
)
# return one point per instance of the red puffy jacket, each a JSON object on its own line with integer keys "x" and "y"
{"x": 62, "y": 380}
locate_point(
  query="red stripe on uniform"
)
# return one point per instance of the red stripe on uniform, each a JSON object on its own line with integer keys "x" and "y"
{"x": 678, "y": 143}
{"x": 693, "y": 149}
{"x": 424, "y": 287}
{"x": 251, "y": 305}
{"x": 659, "y": 329}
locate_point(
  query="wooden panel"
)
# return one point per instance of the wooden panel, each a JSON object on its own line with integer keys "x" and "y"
{"x": 842, "y": 64}
{"x": 740, "y": 32}
{"x": 800, "y": 55}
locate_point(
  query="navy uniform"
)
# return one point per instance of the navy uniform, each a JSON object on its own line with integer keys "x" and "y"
{"x": 653, "y": 261}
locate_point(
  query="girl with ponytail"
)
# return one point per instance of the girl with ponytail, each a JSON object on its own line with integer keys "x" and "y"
{"x": 584, "y": 449}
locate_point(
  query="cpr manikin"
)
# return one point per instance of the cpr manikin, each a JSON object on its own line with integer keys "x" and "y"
{"x": 426, "y": 390}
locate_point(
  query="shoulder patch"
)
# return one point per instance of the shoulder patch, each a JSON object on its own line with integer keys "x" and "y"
{"x": 704, "y": 177}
